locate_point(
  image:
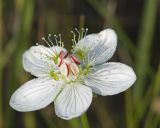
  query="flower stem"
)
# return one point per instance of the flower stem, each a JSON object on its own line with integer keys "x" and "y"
{"x": 84, "y": 121}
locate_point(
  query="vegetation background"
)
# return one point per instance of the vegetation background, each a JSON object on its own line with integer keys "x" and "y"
{"x": 137, "y": 22}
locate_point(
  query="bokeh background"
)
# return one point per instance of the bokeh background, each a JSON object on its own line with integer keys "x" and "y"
{"x": 137, "y": 23}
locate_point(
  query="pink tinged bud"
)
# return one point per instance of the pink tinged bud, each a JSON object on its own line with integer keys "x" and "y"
{"x": 64, "y": 69}
{"x": 75, "y": 60}
{"x": 74, "y": 69}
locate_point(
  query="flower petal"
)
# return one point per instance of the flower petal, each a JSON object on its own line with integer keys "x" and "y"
{"x": 35, "y": 94}
{"x": 110, "y": 78}
{"x": 96, "y": 48}
{"x": 38, "y": 60}
{"x": 73, "y": 101}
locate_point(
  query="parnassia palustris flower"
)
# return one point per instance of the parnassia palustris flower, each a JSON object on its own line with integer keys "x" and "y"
{"x": 68, "y": 79}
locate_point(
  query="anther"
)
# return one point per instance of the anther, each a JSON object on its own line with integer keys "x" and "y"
{"x": 43, "y": 38}
{"x": 37, "y": 44}
{"x": 76, "y": 29}
{"x": 60, "y": 38}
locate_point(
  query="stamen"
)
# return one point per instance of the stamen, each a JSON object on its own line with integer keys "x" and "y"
{"x": 74, "y": 38}
{"x": 50, "y": 39}
{"x": 86, "y": 30}
{"x": 82, "y": 31}
{"x": 54, "y": 50}
{"x": 79, "y": 35}
{"x": 43, "y": 38}
{"x": 55, "y": 36}
{"x": 60, "y": 40}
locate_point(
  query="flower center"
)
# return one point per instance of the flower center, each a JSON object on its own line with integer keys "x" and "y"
{"x": 68, "y": 65}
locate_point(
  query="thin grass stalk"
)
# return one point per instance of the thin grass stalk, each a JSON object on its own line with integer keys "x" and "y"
{"x": 143, "y": 53}
{"x": 102, "y": 113}
{"x": 24, "y": 11}
{"x": 1, "y": 66}
{"x": 27, "y": 16}
{"x": 150, "y": 117}
{"x": 49, "y": 120}
{"x": 81, "y": 22}
{"x": 1, "y": 99}
{"x": 1, "y": 23}
{"x": 144, "y": 45}
{"x": 156, "y": 121}
{"x": 9, "y": 49}
{"x": 129, "y": 110}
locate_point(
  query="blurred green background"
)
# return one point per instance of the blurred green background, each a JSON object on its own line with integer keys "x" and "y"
{"x": 137, "y": 23}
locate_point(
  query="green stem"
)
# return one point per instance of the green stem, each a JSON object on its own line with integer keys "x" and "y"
{"x": 29, "y": 120}
{"x": 74, "y": 123}
{"x": 84, "y": 121}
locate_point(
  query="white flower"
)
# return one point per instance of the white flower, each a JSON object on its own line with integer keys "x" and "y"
{"x": 69, "y": 79}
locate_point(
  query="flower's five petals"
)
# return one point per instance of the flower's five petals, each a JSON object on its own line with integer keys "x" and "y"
{"x": 35, "y": 94}
{"x": 98, "y": 48}
{"x": 69, "y": 79}
{"x": 73, "y": 101}
{"x": 110, "y": 78}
